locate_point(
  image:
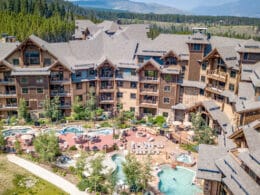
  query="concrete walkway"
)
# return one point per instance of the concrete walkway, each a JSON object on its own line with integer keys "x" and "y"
{"x": 46, "y": 175}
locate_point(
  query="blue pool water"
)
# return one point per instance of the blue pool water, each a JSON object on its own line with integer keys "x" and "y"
{"x": 11, "y": 132}
{"x": 120, "y": 176}
{"x": 175, "y": 182}
{"x": 184, "y": 158}
{"x": 101, "y": 132}
{"x": 75, "y": 130}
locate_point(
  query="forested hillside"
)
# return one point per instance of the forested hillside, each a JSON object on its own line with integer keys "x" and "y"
{"x": 51, "y": 20}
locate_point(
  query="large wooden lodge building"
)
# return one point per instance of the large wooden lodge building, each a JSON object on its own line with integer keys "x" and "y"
{"x": 171, "y": 75}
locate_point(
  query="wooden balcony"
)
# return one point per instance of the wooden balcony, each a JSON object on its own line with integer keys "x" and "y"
{"x": 106, "y": 100}
{"x": 60, "y": 82}
{"x": 9, "y": 107}
{"x": 8, "y": 94}
{"x": 60, "y": 93}
{"x": 217, "y": 75}
{"x": 109, "y": 88}
{"x": 149, "y": 91}
{"x": 149, "y": 79}
{"x": 149, "y": 103}
{"x": 9, "y": 81}
{"x": 215, "y": 89}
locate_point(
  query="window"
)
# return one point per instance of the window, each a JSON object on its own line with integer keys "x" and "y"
{"x": 39, "y": 80}
{"x": 15, "y": 62}
{"x": 78, "y": 85}
{"x": 32, "y": 57}
{"x": 80, "y": 97}
{"x": 150, "y": 73}
{"x": 220, "y": 61}
{"x": 245, "y": 56}
{"x": 23, "y": 80}
{"x": 201, "y": 92}
{"x": 47, "y": 61}
{"x": 133, "y": 96}
{"x": 203, "y": 66}
{"x": 91, "y": 72}
{"x": 202, "y": 78}
{"x": 196, "y": 47}
{"x": 119, "y": 94}
{"x": 231, "y": 87}
{"x": 167, "y": 88}
{"x": 133, "y": 85}
{"x": 171, "y": 60}
{"x": 92, "y": 84}
{"x": 25, "y": 90}
{"x": 233, "y": 74}
{"x": 39, "y": 90}
{"x": 78, "y": 74}
{"x": 165, "y": 114}
{"x": 120, "y": 83}
{"x": 166, "y": 100}
{"x": 132, "y": 109}
{"x": 27, "y": 103}
{"x": 133, "y": 72}
{"x": 141, "y": 59}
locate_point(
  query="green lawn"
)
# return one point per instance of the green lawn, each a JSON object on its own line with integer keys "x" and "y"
{"x": 16, "y": 180}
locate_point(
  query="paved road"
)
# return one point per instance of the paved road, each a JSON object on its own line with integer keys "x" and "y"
{"x": 46, "y": 175}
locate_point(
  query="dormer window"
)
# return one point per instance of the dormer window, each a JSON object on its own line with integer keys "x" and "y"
{"x": 196, "y": 47}
{"x": 78, "y": 74}
{"x": 170, "y": 61}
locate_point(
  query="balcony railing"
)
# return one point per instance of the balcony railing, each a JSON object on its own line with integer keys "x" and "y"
{"x": 106, "y": 100}
{"x": 107, "y": 87}
{"x": 7, "y": 81}
{"x": 215, "y": 89}
{"x": 60, "y": 93}
{"x": 149, "y": 89}
{"x": 8, "y": 94}
{"x": 149, "y": 78}
{"x": 8, "y": 106}
{"x": 218, "y": 75}
{"x": 149, "y": 101}
{"x": 59, "y": 81}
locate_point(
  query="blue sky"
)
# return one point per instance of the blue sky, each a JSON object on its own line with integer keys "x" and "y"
{"x": 187, "y": 4}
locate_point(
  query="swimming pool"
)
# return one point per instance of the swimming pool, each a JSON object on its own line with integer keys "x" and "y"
{"x": 72, "y": 129}
{"x": 11, "y": 132}
{"x": 101, "y": 132}
{"x": 184, "y": 158}
{"x": 177, "y": 181}
{"x": 120, "y": 175}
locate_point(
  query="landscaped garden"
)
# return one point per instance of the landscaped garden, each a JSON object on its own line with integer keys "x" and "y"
{"x": 16, "y": 180}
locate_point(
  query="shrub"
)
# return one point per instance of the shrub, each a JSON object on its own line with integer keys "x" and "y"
{"x": 82, "y": 185}
{"x": 72, "y": 169}
{"x": 73, "y": 148}
{"x": 105, "y": 124}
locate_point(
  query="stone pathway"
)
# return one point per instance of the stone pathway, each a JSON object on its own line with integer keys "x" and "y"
{"x": 46, "y": 175}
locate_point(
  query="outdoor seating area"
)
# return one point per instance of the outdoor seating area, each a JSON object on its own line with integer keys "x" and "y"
{"x": 146, "y": 148}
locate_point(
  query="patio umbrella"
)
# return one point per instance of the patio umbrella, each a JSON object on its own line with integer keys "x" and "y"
{"x": 176, "y": 123}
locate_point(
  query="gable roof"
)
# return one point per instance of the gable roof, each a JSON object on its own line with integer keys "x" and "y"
{"x": 152, "y": 62}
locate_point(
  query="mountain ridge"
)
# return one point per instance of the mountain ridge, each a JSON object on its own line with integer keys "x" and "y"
{"x": 128, "y": 5}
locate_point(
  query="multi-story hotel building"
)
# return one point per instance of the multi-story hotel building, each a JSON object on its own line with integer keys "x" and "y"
{"x": 171, "y": 75}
